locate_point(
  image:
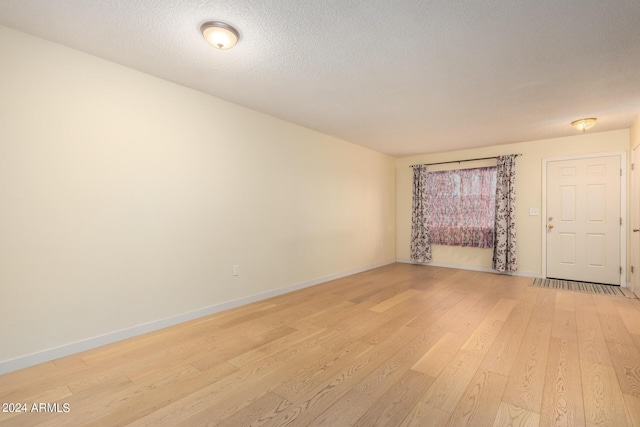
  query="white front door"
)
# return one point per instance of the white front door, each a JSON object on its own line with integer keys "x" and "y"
{"x": 583, "y": 219}
{"x": 635, "y": 222}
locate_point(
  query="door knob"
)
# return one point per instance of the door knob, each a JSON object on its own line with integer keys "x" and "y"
{"x": 635, "y": 230}
{"x": 549, "y": 226}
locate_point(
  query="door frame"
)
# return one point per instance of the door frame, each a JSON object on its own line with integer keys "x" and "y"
{"x": 634, "y": 205}
{"x": 623, "y": 207}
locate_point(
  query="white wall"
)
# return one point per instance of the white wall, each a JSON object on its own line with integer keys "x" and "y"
{"x": 528, "y": 194}
{"x": 634, "y": 134}
{"x": 125, "y": 199}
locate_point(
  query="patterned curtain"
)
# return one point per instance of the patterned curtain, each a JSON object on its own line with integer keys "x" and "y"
{"x": 420, "y": 242}
{"x": 461, "y": 207}
{"x": 504, "y": 232}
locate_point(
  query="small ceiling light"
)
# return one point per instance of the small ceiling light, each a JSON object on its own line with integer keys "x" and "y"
{"x": 583, "y": 125}
{"x": 220, "y": 35}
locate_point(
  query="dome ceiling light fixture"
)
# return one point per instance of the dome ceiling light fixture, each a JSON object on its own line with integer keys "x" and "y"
{"x": 583, "y": 125}
{"x": 219, "y": 35}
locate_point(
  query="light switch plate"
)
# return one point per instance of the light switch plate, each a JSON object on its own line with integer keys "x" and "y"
{"x": 534, "y": 212}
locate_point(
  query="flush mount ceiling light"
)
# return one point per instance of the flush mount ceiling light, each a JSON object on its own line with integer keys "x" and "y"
{"x": 220, "y": 35}
{"x": 583, "y": 125}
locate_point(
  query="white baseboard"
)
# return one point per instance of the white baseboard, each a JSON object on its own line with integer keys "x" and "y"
{"x": 11, "y": 365}
{"x": 470, "y": 267}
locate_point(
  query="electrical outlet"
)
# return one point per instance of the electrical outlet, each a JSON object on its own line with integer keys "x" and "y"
{"x": 236, "y": 270}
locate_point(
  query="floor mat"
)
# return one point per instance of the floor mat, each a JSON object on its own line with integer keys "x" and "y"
{"x": 569, "y": 285}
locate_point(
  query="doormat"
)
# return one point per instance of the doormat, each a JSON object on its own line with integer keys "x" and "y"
{"x": 590, "y": 288}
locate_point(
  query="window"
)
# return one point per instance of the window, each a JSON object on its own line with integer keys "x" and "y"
{"x": 461, "y": 207}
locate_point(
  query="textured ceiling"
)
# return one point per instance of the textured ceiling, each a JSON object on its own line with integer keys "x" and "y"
{"x": 399, "y": 76}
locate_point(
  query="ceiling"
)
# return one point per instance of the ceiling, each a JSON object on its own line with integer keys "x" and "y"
{"x": 398, "y": 76}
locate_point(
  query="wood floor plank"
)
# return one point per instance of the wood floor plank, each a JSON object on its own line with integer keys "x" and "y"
{"x": 89, "y": 405}
{"x": 480, "y": 403}
{"x": 565, "y": 301}
{"x": 392, "y": 407}
{"x": 356, "y": 314}
{"x": 47, "y": 371}
{"x": 316, "y": 401}
{"x": 256, "y": 414}
{"x": 487, "y": 331}
{"x": 525, "y": 384}
{"x": 325, "y": 318}
{"x": 30, "y": 396}
{"x": 235, "y": 399}
{"x": 131, "y": 351}
{"x": 274, "y": 345}
{"x": 630, "y": 319}
{"x": 234, "y": 382}
{"x": 399, "y": 316}
{"x": 473, "y": 317}
{"x": 227, "y": 395}
{"x": 603, "y": 400}
{"x": 633, "y": 405}
{"x": 511, "y": 415}
{"x": 397, "y": 299}
{"x": 439, "y": 356}
{"x": 320, "y": 370}
{"x": 51, "y": 391}
{"x": 626, "y": 363}
{"x": 449, "y": 317}
{"x": 236, "y": 313}
{"x": 125, "y": 405}
{"x": 562, "y": 397}
{"x": 636, "y": 340}
{"x": 384, "y": 294}
{"x": 591, "y": 340}
{"x": 604, "y": 305}
{"x": 361, "y": 397}
{"x": 448, "y": 388}
{"x": 350, "y": 328}
{"x": 502, "y": 353}
{"x": 632, "y": 304}
{"x": 360, "y": 295}
{"x": 424, "y": 415}
{"x": 503, "y": 308}
{"x": 437, "y": 311}
{"x": 397, "y": 345}
{"x": 614, "y": 329}
{"x": 112, "y": 377}
{"x": 232, "y": 347}
{"x": 564, "y": 325}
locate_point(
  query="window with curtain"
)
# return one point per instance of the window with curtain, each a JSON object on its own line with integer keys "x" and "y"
{"x": 461, "y": 207}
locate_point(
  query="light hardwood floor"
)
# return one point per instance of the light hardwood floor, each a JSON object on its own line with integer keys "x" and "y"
{"x": 401, "y": 345}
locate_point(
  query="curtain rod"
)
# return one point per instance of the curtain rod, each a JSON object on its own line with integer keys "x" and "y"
{"x": 460, "y": 161}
